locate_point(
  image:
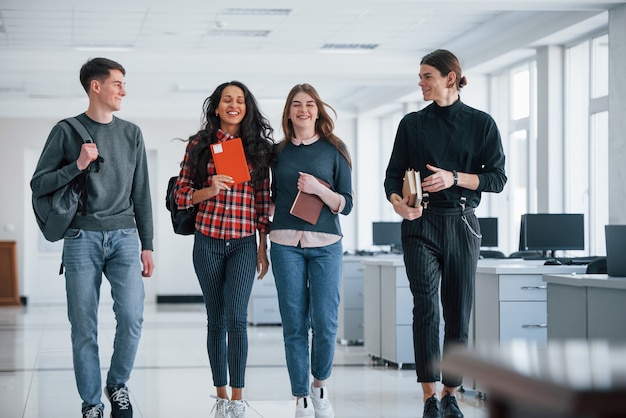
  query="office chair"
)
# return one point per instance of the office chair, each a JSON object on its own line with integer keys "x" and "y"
{"x": 597, "y": 266}
{"x": 526, "y": 253}
{"x": 491, "y": 254}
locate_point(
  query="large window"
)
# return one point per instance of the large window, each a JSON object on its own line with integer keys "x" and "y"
{"x": 586, "y": 134}
{"x": 521, "y": 163}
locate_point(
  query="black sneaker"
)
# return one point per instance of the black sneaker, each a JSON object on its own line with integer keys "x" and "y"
{"x": 120, "y": 401}
{"x": 450, "y": 407}
{"x": 94, "y": 411}
{"x": 432, "y": 407}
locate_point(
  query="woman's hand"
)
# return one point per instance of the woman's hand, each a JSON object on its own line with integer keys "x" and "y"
{"x": 310, "y": 184}
{"x": 219, "y": 182}
{"x": 262, "y": 262}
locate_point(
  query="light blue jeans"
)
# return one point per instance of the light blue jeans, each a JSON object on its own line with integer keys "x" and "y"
{"x": 86, "y": 256}
{"x": 308, "y": 282}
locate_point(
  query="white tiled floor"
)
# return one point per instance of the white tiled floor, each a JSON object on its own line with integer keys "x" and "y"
{"x": 172, "y": 377}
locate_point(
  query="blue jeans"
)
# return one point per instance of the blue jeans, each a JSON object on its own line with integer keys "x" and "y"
{"x": 308, "y": 282}
{"x": 86, "y": 256}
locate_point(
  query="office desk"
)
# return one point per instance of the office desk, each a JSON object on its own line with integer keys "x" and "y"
{"x": 510, "y": 299}
{"x": 559, "y": 380}
{"x": 587, "y": 306}
{"x": 510, "y": 303}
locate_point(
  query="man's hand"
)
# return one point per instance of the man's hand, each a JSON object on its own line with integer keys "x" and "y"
{"x": 147, "y": 262}
{"x": 402, "y": 208}
{"x": 88, "y": 153}
{"x": 438, "y": 181}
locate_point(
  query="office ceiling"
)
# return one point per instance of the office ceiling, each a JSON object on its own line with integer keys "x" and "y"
{"x": 359, "y": 54}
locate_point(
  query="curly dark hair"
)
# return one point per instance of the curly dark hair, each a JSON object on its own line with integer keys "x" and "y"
{"x": 255, "y": 131}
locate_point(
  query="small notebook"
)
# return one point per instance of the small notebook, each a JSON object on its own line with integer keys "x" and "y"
{"x": 230, "y": 159}
{"x": 308, "y": 206}
{"x": 412, "y": 187}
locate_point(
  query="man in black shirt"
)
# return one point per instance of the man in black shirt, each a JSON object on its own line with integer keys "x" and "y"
{"x": 458, "y": 151}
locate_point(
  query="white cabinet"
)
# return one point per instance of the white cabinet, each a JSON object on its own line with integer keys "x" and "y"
{"x": 350, "y": 329}
{"x": 371, "y": 309}
{"x": 263, "y": 304}
{"x": 396, "y": 316}
{"x": 388, "y": 311}
{"x": 510, "y": 301}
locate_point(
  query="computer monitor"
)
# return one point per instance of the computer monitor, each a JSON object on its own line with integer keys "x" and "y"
{"x": 550, "y": 232}
{"x": 387, "y": 233}
{"x": 489, "y": 231}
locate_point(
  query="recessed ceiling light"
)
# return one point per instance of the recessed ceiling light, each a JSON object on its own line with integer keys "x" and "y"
{"x": 104, "y": 48}
{"x": 348, "y": 48}
{"x": 238, "y": 32}
{"x": 256, "y": 12}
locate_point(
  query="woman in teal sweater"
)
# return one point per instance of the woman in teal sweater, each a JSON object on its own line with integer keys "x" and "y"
{"x": 307, "y": 257}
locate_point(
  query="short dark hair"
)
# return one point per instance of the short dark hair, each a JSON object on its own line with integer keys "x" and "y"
{"x": 98, "y": 69}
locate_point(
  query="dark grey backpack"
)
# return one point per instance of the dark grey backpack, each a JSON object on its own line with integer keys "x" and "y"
{"x": 55, "y": 211}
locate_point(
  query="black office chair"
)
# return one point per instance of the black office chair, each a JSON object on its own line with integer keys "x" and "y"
{"x": 526, "y": 254}
{"x": 491, "y": 254}
{"x": 597, "y": 266}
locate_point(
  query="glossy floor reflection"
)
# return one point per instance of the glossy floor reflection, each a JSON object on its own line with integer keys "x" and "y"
{"x": 172, "y": 377}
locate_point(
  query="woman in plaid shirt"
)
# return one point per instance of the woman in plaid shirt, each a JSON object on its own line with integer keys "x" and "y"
{"x": 225, "y": 253}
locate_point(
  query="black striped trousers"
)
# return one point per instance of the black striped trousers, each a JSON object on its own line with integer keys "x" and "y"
{"x": 226, "y": 271}
{"x": 440, "y": 246}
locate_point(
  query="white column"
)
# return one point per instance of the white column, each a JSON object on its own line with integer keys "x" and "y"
{"x": 617, "y": 115}
{"x": 550, "y": 129}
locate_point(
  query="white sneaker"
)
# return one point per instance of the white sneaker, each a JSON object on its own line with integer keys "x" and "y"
{"x": 221, "y": 407}
{"x": 304, "y": 408}
{"x": 321, "y": 402}
{"x": 237, "y": 409}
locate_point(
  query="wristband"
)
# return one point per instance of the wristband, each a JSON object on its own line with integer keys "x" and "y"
{"x": 456, "y": 177}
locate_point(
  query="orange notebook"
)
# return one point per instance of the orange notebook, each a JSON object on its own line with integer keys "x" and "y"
{"x": 230, "y": 159}
{"x": 308, "y": 206}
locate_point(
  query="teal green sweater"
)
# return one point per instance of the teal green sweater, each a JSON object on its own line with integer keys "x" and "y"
{"x": 322, "y": 160}
{"x": 118, "y": 195}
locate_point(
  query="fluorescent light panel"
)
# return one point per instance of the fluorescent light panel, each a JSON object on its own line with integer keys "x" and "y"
{"x": 256, "y": 12}
{"x": 238, "y": 32}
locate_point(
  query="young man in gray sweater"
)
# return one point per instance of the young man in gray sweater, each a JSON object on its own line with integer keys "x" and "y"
{"x": 113, "y": 235}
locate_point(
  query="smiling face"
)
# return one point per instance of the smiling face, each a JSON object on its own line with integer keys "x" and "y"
{"x": 303, "y": 113}
{"x": 436, "y": 87}
{"x": 231, "y": 109}
{"x": 110, "y": 91}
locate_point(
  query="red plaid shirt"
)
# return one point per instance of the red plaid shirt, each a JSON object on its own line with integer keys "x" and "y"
{"x": 232, "y": 214}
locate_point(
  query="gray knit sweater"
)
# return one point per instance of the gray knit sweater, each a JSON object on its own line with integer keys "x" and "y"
{"x": 118, "y": 194}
